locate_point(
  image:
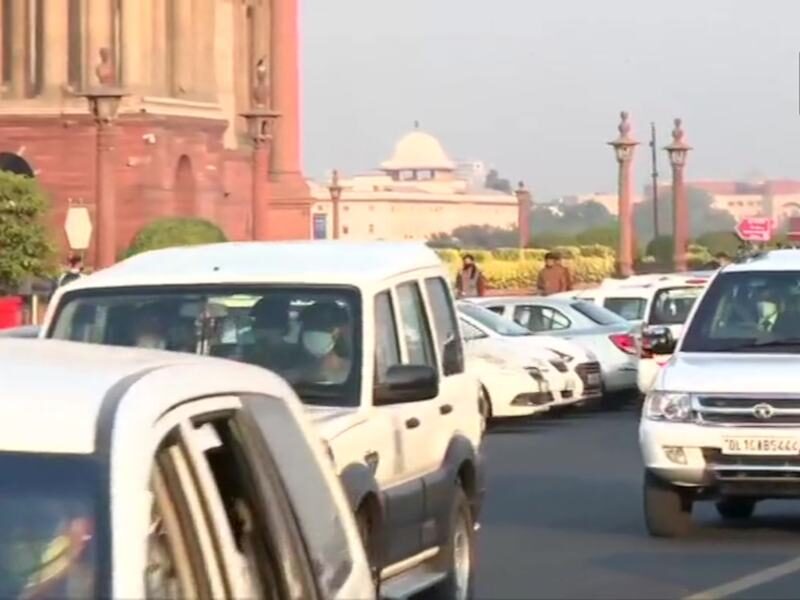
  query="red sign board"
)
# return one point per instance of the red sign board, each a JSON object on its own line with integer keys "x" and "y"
{"x": 755, "y": 229}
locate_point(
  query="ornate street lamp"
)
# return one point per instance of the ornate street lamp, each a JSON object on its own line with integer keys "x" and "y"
{"x": 523, "y": 215}
{"x": 336, "y": 195}
{"x": 624, "y": 146}
{"x": 678, "y": 151}
{"x": 104, "y": 101}
{"x": 260, "y": 121}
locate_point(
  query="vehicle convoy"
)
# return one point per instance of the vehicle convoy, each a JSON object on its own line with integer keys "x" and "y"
{"x": 127, "y": 473}
{"x": 367, "y": 335}
{"x": 607, "y": 335}
{"x": 722, "y": 421}
{"x": 575, "y": 374}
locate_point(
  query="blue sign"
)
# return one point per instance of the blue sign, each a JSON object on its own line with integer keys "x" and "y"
{"x": 320, "y": 226}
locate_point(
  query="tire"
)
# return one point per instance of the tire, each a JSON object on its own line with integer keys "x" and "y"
{"x": 736, "y": 509}
{"x": 457, "y": 556}
{"x": 667, "y": 511}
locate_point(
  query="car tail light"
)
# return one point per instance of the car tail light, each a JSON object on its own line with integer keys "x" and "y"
{"x": 624, "y": 341}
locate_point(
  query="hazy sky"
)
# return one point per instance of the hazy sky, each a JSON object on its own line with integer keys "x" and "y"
{"x": 534, "y": 88}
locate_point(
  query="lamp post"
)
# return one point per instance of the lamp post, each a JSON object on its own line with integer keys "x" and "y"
{"x": 336, "y": 195}
{"x": 523, "y": 215}
{"x": 260, "y": 120}
{"x": 624, "y": 146}
{"x": 104, "y": 101}
{"x": 678, "y": 151}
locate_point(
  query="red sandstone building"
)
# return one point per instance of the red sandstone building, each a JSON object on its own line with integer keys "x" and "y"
{"x": 188, "y": 68}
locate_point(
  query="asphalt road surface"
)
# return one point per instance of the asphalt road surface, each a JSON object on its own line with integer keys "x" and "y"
{"x": 563, "y": 519}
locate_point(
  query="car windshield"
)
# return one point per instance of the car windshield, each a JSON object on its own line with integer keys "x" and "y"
{"x": 490, "y": 320}
{"x": 310, "y": 335}
{"x": 757, "y": 311}
{"x": 48, "y": 515}
{"x": 597, "y": 314}
{"x": 671, "y": 306}
{"x": 630, "y": 309}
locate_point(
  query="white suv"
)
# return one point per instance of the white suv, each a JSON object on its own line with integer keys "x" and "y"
{"x": 722, "y": 421}
{"x": 367, "y": 335}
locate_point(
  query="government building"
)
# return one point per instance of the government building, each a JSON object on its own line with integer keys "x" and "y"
{"x": 188, "y": 68}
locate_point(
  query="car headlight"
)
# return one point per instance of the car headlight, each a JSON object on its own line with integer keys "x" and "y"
{"x": 668, "y": 406}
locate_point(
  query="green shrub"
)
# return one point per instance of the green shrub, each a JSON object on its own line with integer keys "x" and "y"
{"x": 175, "y": 231}
{"x": 720, "y": 241}
{"x": 507, "y": 253}
{"x": 448, "y": 255}
{"x": 568, "y": 252}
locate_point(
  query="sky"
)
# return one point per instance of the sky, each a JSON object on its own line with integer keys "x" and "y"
{"x": 535, "y": 88}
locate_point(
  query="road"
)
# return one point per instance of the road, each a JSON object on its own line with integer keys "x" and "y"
{"x": 563, "y": 519}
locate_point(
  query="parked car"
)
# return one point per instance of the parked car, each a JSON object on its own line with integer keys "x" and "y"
{"x": 367, "y": 335}
{"x": 607, "y": 335}
{"x": 143, "y": 474}
{"x": 580, "y": 381}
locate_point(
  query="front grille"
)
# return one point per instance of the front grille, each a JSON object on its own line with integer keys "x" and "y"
{"x": 729, "y": 469}
{"x": 747, "y": 411}
{"x": 590, "y": 370}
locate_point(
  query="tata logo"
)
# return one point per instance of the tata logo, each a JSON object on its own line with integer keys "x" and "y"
{"x": 763, "y": 411}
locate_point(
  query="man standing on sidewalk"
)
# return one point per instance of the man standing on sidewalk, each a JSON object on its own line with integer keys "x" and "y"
{"x": 554, "y": 277}
{"x": 470, "y": 282}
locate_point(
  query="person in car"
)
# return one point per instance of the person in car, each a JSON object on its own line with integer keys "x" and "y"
{"x": 271, "y": 350}
{"x": 325, "y": 326}
{"x": 149, "y": 329}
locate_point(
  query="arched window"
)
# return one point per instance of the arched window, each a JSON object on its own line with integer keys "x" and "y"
{"x": 14, "y": 163}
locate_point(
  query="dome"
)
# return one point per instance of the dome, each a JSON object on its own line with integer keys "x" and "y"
{"x": 418, "y": 150}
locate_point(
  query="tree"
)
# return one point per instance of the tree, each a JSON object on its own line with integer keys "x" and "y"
{"x": 175, "y": 231}
{"x": 720, "y": 241}
{"x": 26, "y": 250}
{"x": 567, "y": 219}
{"x": 607, "y": 235}
{"x": 494, "y": 182}
{"x": 703, "y": 218}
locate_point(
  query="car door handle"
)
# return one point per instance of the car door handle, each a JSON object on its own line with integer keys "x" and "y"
{"x": 412, "y": 423}
{"x": 446, "y": 409}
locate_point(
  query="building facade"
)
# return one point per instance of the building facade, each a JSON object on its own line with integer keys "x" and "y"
{"x": 188, "y": 69}
{"x": 415, "y": 194}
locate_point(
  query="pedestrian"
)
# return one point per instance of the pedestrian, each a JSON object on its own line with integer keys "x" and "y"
{"x": 74, "y": 270}
{"x": 554, "y": 277}
{"x": 470, "y": 282}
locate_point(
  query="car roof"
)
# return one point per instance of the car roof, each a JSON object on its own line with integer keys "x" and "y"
{"x": 323, "y": 262}
{"x": 53, "y": 391}
{"x": 774, "y": 260}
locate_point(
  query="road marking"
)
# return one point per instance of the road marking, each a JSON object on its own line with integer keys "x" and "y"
{"x": 748, "y": 581}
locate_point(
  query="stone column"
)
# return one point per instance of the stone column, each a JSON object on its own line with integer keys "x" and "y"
{"x": 56, "y": 47}
{"x": 99, "y": 31}
{"x": 135, "y": 47}
{"x": 677, "y": 151}
{"x": 226, "y": 67}
{"x": 160, "y": 71}
{"x": 624, "y": 146}
{"x": 523, "y": 215}
{"x": 204, "y": 44}
{"x": 285, "y": 83}
{"x": 19, "y": 51}
{"x": 183, "y": 41}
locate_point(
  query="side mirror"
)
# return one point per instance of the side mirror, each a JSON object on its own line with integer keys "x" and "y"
{"x": 658, "y": 340}
{"x": 407, "y": 383}
{"x": 453, "y": 356}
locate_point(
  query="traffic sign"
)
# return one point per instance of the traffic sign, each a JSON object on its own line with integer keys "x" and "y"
{"x": 78, "y": 227}
{"x": 755, "y": 229}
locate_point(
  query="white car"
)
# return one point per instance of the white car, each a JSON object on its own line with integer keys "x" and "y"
{"x": 574, "y": 370}
{"x": 367, "y": 335}
{"x": 508, "y": 388}
{"x": 143, "y": 474}
{"x": 722, "y": 421}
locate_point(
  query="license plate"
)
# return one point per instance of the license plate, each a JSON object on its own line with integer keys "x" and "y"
{"x": 593, "y": 378}
{"x": 761, "y": 446}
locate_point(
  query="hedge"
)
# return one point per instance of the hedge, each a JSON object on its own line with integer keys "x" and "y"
{"x": 175, "y": 231}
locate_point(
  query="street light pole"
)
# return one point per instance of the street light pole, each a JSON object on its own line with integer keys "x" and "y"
{"x": 624, "y": 146}
{"x": 654, "y": 175}
{"x": 523, "y": 215}
{"x": 678, "y": 151}
{"x": 104, "y": 101}
{"x": 336, "y": 195}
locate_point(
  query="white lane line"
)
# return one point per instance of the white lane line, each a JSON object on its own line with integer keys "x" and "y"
{"x": 748, "y": 581}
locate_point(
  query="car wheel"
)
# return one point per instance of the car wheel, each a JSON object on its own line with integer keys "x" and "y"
{"x": 736, "y": 508}
{"x": 457, "y": 556}
{"x": 667, "y": 509}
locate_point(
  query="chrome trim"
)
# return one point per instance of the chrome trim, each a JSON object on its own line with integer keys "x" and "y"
{"x": 752, "y": 467}
{"x": 758, "y": 401}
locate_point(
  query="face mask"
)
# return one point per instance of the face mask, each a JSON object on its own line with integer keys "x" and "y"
{"x": 151, "y": 342}
{"x": 318, "y": 343}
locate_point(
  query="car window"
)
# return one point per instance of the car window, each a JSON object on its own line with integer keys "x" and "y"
{"x": 309, "y": 490}
{"x": 499, "y": 310}
{"x": 471, "y": 332}
{"x": 755, "y": 311}
{"x": 387, "y": 345}
{"x": 492, "y": 321}
{"x": 671, "y": 306}
{"x": 416, "y": 330}
{"x": 444, "y": 322}
{"x": 310, "y": 335}
{"x": 597, "y": 314}
{"x": 630, "y": 309}
{"x": 540, "y": 318}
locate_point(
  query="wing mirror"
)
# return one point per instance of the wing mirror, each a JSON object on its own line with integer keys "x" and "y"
{"x": 658, "y": 340}
{"x": 406, "y": 383}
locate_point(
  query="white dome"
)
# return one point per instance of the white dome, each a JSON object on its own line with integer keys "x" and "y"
{"x": 418, "y": 150}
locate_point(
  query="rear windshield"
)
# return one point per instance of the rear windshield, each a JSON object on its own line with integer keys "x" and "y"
{"x": 598, "y": 314}
{"x": 757, "y": 311}
{"x": 48, "y": 526}
{"x": 630, "y": 309}
{"x": 671, "y": 306}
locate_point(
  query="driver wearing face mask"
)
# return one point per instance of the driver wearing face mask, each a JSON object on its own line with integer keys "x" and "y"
{"x": 270, "y": 328}
{"x": 149, "y": 331}
{"x": 324, "y": 340}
